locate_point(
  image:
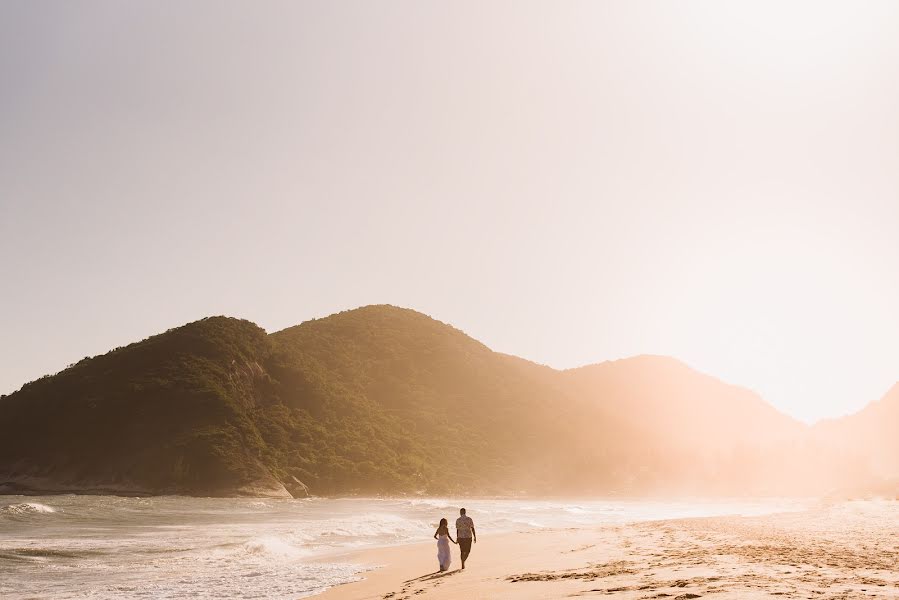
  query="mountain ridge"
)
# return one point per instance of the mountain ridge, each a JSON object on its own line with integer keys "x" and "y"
{"x": 382, "y": 399}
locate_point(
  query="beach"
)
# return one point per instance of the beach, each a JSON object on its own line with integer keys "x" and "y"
{"x": 844, "y": 550}
{"x": 172, "y": 547}
{"x": 109, "y": 547}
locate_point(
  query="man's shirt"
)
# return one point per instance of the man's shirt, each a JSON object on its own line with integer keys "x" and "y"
{"x": 464, "y": 525}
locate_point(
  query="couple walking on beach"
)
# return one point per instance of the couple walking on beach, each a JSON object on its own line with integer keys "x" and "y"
{"x": 465, "y": 535}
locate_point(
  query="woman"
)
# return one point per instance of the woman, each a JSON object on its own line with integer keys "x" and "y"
{"x": 443, "y": 537}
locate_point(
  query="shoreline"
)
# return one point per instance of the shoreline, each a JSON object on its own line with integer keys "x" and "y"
{"x": 8, "y": 488}
{"x": 846, "y": 550}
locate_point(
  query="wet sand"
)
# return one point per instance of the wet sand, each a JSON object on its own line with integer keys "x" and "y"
{"x": 842, "y": 551}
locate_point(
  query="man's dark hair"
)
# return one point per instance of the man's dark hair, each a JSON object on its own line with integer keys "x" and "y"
{"x": 461, "y": 511}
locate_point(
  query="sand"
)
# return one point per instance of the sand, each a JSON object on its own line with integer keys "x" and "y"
{"x": 841, "y": 551}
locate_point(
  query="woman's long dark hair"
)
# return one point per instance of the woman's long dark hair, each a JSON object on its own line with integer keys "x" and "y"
{"x": 443, "y": 524}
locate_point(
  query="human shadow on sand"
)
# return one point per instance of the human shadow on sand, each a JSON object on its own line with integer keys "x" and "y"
{"x": 434, "y": 575}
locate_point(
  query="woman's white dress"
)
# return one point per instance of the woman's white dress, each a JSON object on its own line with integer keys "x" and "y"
{"x": 443, "y": 552}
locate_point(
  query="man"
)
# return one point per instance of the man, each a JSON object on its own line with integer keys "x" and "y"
{"x": 465, "y": 534}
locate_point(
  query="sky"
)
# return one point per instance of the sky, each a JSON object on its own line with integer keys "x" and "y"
{"x": 567, "y": 182}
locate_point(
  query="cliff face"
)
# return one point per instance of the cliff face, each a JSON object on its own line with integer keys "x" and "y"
{"x": 384, "y": 400}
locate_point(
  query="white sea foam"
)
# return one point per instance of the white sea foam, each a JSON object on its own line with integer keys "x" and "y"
{"x": 576, "y": 510}
{"x": 272, "y": 546}
{"x": 27, "y": 508}
{"x": 431, "y": 502}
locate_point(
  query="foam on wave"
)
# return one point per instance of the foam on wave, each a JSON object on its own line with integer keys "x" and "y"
{"x": 27, "y": 508}
{"x": 271, "y": 546}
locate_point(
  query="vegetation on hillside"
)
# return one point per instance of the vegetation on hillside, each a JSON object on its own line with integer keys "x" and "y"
{"x": 379, "y": 400}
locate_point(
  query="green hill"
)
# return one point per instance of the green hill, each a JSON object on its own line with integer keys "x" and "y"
{"x": 174, "y": 412}
{"x": 374, "y": 400}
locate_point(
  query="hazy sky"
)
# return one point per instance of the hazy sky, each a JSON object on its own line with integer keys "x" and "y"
{"x": 568, "y": 182}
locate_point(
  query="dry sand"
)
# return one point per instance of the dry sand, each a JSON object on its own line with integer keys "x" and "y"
{"x": 842, "y": 551}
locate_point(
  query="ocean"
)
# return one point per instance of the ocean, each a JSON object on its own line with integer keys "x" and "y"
{"x": 73, "y": 546}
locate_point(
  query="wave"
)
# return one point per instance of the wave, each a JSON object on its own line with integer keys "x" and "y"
{"x": 576, "y": 510}
{"x": 385, "y": 526}
{"x": 26, "y": 508}
{"x": 431, "y": 503}
{"x": 38, "y": 553}
{"x": 271, "y": 546}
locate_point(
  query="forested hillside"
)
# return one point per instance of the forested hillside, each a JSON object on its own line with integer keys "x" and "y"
{"x": 379, "y": 400}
